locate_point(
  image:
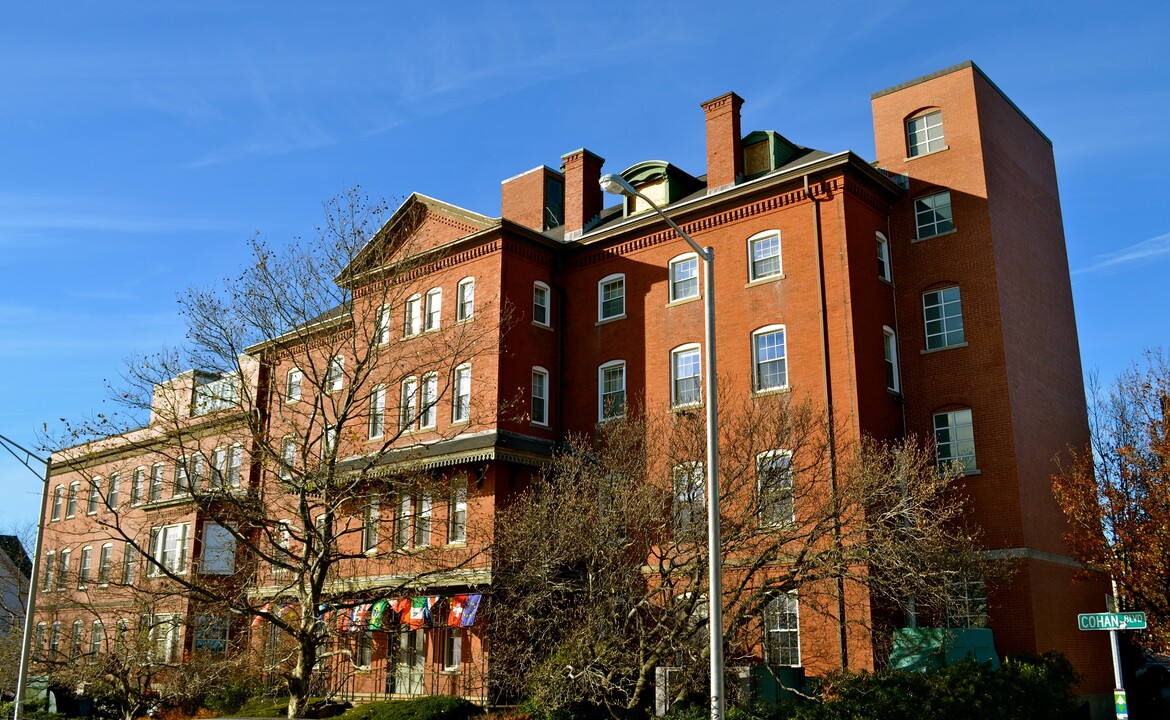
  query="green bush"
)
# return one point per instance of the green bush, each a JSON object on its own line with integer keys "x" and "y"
{"x": 232, "y": 695}
{"x": 435, "y": 707}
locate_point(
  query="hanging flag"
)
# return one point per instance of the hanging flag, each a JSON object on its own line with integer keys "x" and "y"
{"x": 455, "y": 614}
{"x": 378, "y": 614}
{"x": 360, "y": 616}
{"x": 402, "y": 608}
{"x": 260, "y": 618}
{"x": 470, "y": 609}
{"x": 286, "y": 611}
{"x": 418, "y": 610}
{"x": 434, "y": 610}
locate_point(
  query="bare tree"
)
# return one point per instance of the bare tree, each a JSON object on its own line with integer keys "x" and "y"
{"x": 14, "y": 571}
{"x": 601, "y": 565}
{"x": 291, "y": 442}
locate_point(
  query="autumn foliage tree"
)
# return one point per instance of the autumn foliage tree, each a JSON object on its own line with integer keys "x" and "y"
{"x": 1116, "y": 493}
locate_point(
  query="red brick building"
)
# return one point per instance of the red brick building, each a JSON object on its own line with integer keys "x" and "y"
{"x": 925, "y": 293}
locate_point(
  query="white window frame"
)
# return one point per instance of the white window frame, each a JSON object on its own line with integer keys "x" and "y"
{"x": 689, "y": 497}
{"x": 129, "y": 563}
{"x": 428, "y": 412}
{"x": 603, "y": 286}
{"x": 461, "y": 398}
{"x": 775, "y": 505}
{"x": 205, "y": 641}
{"x": 686, "y": 358}
{"x": 63, "y": 567}
{"x": 235, "y": 464}
{"x": 423, "y": 513}
{"x": 157, "y": 471}
{"x": 370, "y": 525}
{"x": 403, "y": 516}
{"x": 84, "y": 567}
{"x": 890, "y": 352}
{"x": 217, "y": 554}
{"x": 377, "y": 424}
{"x": 335, "y": 374}
{"x": 433, "y": 313}
{"x": 928, "y": 127}
{"x": 457, "y": 513}
{"x": 168, "y": 623}
{"x": 758, "y": 362}
{"x": 105, "y": 561}
{"x": 169, "y": 548}
{"x": 182, "y": 484}
{"x": 93, "y": 502}
{"x": 412, "y": 316}
{"x": 407, "y": 401}
{"x": 114, "y": 491}
{"x": 885, "y": 271}
{"x": 71, "y": 499}
{"x": 967, "y": 604}
{"x": 465, "y": 300}
{"x": 329, "y": 443}
{"x": 539, "y": 408}
{"x": 50, "y": 569}
{"x": 684, "y": 277}
{"x": 293, "y": 380}
{"x": 97, "y": 633}
{"x": 542, "y": 302}
{"x": 453, "y": 650}
{"x": 947, "y": 329}
{"x": 288, "y": 457}
{"x": 138, "y": 487}
{"x": 781, "y": 618}
{"x": 929, "y": 220}
{"x": 382, "y": 319}
{"x": 605, "y": 411}
{"x": 756, "y": 260}
{"x": 958, "y": 445}
{"x": 58, "y": 503}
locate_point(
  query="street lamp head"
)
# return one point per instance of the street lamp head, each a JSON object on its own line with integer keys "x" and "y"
{"x": 616, "y": 185}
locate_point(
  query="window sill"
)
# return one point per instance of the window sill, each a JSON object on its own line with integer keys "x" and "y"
{"x": 542, "y": 326}
{"x": 460, "y": 544}
{"x": 606, "y": 321}
{"x": 460, "y": 422}
{"x": 684, "y": 301}
{"x": 533, "y": 423}
{"x": 895, "y": 393}
{"x": 450, "y": 671}
{"x": 886, "y": 280}
{"x": 952, "y": 231}
{"x": 942, "y": 349}
{"x": 944, "y": 148}
{"x": 765, "y": 280}
{"x": 772, "y": 391}
{"x": 464, "y": 321}
{"x": 684, "y": 409}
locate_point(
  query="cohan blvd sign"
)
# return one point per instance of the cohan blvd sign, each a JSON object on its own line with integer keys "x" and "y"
{"x": 1112, "y": 621}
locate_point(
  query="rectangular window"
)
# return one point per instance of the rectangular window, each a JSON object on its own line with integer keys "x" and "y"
{"x": 63, "y": 568}
{"x": 163, "y": 635}
{"x": 50, "y": 566}
{"x": 197, "y": 468}
{"x": 71, "y": 501}
{"x": 218, "y": 468}
{"x": 890, "y": 350}
{"x": 95, "y": 496}
{"x": 684, "y": 278}
{"x": 453, "y": 652}
{"x": 377, "y": 411}
{"x": 430, "y": 397}
{"x": 402, "y": 522}
{"x": 461, "y": 400}
{"x": 182, "y": 485}
{"x": 612, "y": 382}
{"x": 54, "y": 638}
{"x": 370, "y": 526}
{"x": 97, "y": 634}
{"x": 775, "y": 498}
{"x": 292, "y": 387}
{"x": 235, "y": 461}
{"x": 218, "y": 554}
{"x": 690, "y": 508}
{"x": 114, "y": 491}
{"x": 211, "y": 634}
{"x": 105, "y": 559}
{"x": 58, "y": 500}
{"x": 611, "y": 297}
{"x": 457, "y": 513}
{"x": 434, "y": 308}
{"x": 329, "y": 444}
{"x": 406, "y": 411}
{"x": 954, "y": 437}
{"x": 883, "y": 255}
{"x": 924, "y": 134}
{"x": 967, "y": 606}
{"x": 382, "y": 325}
{"x": 412, "y": 321}
{"x": 334, "y": 373}
{"x": 684, "y": 376}
{"x": 932, "y": 215}
{"x": 168, "y": 548}
{"x": 465, "y": 302}
{"x": 539, "y": 396}
{"x": 422, "y": 521}
{"x": 288, "y": 457}
{"x": 782, "y": 630}
{"x": 765, "y": 256}
{"x": 129, "y": 560}
{"x": 138, "y": 486}
{"x": 156, "y": 482}
{"x": 769, "y": 354}
{"x": 540, "y": 304}
{"x": 75, "y": 640}
{"x": 943, "y": 312}
{"x": 281, "y": 541}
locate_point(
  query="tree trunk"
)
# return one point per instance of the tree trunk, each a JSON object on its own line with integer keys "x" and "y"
{"x": 299, "y": 680}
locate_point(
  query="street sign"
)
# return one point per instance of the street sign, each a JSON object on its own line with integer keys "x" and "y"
{"x": 1112, "y": 621}
{"x": 1120, "y": 707}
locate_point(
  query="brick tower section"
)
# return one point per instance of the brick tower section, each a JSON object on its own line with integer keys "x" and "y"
{"x": 724, "y": 150}
{"x": 583, "y": 196}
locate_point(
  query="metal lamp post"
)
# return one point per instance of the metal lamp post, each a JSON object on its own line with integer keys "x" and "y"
{"x": 617, "y": 185}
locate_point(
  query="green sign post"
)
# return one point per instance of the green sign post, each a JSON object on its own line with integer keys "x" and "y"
{"x": 1112, "y": 621}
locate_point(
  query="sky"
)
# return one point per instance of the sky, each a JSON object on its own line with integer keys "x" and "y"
{"x": 143, "y": 144}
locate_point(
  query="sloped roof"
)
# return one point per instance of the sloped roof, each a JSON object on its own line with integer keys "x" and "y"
{"x": 10, "y": 545}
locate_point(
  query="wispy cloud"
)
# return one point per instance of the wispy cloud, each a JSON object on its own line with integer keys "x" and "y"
{"x": 1138, "y": 252}
{"x": 31, "y": 212}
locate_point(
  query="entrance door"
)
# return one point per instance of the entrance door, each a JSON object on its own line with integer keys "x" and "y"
{"x": 412, "y": 659}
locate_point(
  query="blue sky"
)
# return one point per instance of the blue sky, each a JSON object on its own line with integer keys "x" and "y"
{"x": 141, "y": 144}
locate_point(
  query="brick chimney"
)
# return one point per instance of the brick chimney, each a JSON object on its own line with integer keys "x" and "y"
{"x": 534, "y": 199}
{"x": 583, "y": 199}
{"x": 724, "y": 148}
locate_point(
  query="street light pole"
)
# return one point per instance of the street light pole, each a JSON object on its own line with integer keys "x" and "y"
{"x": 26, "y": 646}
{"x": 617, "y": 185}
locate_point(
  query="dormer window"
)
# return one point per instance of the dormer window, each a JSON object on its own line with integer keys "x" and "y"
{"x": 660, "y": 181}
{"x": 766, "y": 150}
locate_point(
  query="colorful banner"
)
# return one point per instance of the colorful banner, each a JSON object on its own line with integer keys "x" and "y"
{"x": 418, "y": 612}
{"x": 259, "y": 618}
{"x": 378, "y": 614}
{"x": 470, "y": 610}
{"x": 360, "y": 616}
